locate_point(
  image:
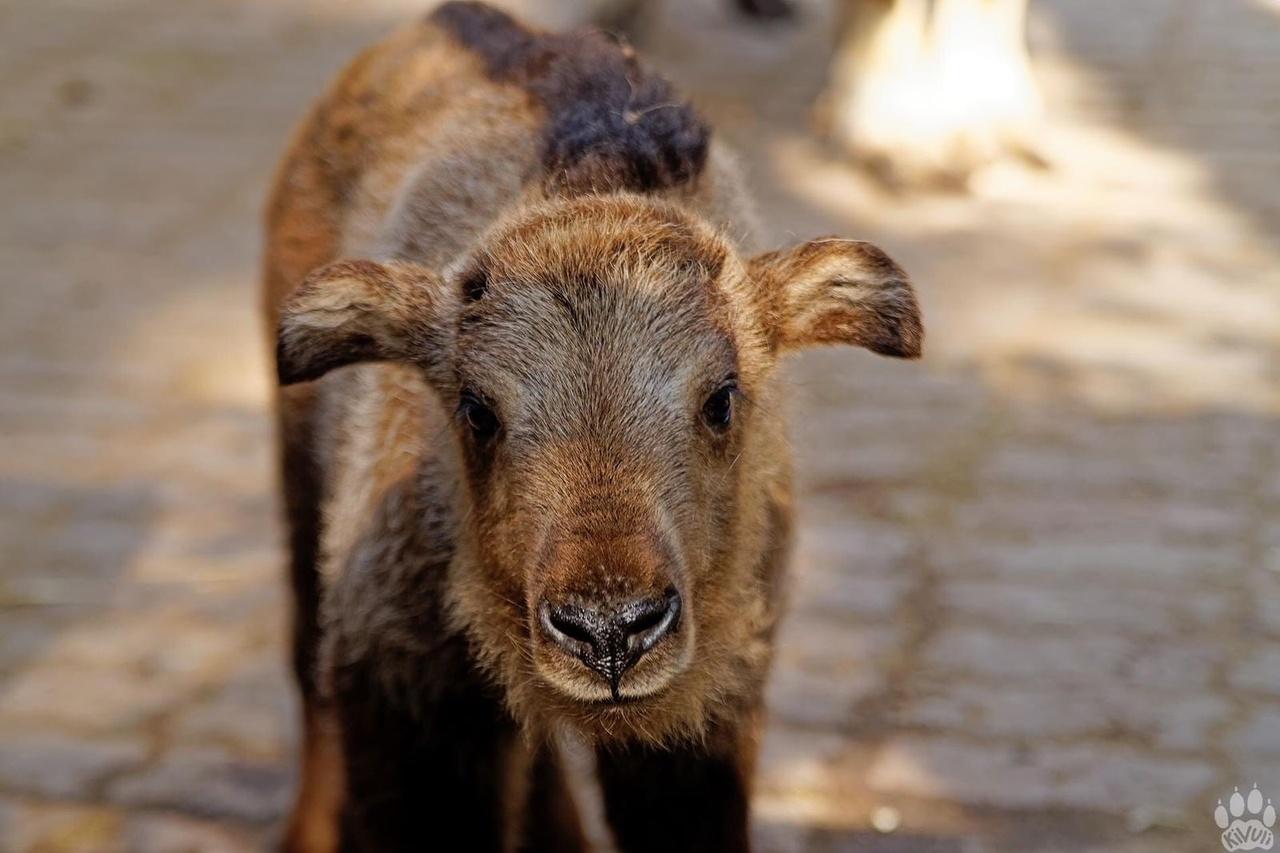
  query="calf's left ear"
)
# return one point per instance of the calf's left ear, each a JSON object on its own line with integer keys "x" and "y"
{"x": 832, "y": 291}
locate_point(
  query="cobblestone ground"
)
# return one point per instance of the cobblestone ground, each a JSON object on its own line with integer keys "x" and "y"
{"x": 1038, "y": 594}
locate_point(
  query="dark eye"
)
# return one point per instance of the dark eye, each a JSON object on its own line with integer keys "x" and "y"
{"x": 717, "y": 411}
{"x": 478, "y": 417}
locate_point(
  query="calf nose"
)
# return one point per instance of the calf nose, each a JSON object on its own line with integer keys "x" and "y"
{"x": 610, "y": 640}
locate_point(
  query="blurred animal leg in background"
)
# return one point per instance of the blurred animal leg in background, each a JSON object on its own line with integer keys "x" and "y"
{"x": 927, "y": 92}
{"x": 876, "y": 100}
{"x": 987, "y": 92}
{"x": 765, "y": 9}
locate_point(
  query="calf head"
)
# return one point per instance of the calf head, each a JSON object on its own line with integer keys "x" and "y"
{"x": 611, "y": 364}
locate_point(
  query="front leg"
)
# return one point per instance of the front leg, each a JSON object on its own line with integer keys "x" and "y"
{"x": 550, "y": 822}
{"x": 429, "y": 773}
{"x": 679, "y": 798}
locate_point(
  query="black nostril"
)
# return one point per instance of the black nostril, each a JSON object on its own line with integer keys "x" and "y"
{"x": 573, "y": 630}
{"x": 646, "y": 620}
{"x": 577, "y": 624}
{"x": 644, "y": 623}
{"x": 611, "y": 640}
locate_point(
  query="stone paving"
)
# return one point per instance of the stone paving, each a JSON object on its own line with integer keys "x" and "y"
{"x": 1038, "y": 595}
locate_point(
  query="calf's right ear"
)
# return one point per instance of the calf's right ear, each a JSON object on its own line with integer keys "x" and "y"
{"x": 355, "y": 311}
{"x": 833, "y": 291}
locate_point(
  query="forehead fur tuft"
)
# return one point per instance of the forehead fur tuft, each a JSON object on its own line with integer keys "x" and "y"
{"x": 587, "y": 241}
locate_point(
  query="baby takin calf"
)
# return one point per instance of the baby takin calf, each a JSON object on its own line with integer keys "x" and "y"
{"x": 535, "y": 468}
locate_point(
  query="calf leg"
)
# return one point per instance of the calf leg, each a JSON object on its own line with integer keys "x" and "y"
{"x": 550, "y": 821}
{"x": 423, "y": 772}
{"x": 313, "y": 826}
{"x": 685, "y": 797}
{"x": 313, "y": 823}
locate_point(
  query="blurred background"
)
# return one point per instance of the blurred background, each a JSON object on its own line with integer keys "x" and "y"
{"x": 1037, "y": 604}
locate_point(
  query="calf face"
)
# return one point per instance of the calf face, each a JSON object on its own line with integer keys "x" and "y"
{"x": 610, "y": 361}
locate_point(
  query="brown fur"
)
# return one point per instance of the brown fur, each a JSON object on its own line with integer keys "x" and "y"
{"x": 585, "y": 281}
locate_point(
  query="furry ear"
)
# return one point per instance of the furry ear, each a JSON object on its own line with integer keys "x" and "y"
{"x": 353, "y": 311}
{"x": 833, "y": 291}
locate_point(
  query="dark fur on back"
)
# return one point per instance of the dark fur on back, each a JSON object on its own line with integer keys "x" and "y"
{"x": 611, "y": 123}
